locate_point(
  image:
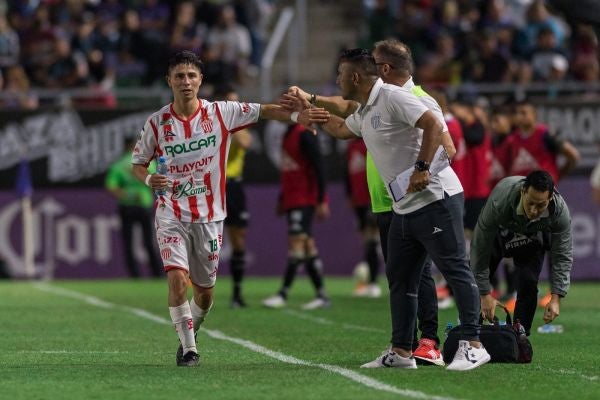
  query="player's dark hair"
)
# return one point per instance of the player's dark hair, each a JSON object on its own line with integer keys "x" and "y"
{"x": 360, "y": 59}
{"x": 540, "y": 181}
{"x": 185, "y": 57}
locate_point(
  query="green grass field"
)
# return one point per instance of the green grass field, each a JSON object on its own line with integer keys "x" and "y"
{"x": 113, "y": 340}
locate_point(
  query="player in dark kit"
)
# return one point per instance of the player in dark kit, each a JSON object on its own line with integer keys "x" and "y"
{"x": 302, "y": 196}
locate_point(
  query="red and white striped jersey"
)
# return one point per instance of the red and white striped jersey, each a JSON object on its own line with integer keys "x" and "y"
{"x": 196, "y": 155}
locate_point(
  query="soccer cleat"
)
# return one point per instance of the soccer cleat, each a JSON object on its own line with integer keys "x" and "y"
{"x": 189, "y": 359}
{"x": 445, "y": 303}
{"x": 319, "y": 302}
{"x": 374, "y": 291}
{"x": 427, "y": 351}
{"x": 276, "y": 301}
{"x": 390, "y": 359}
{"x": 361, "y": 290}
{"x": 238, "y": 302}
{"x": 179, "y": 354}
{"x": 468, "y": 357}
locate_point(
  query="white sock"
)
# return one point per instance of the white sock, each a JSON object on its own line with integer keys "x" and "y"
{"x": 184, "y": 325}
{"x": 198, "y": 314}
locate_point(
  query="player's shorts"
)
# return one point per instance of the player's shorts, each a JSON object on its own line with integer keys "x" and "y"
{"x": 473, "y": 208}
{"x": 237, "y": 214}
{"x": 300, "y": 220}
{"x": 365, "y": 217}
{"x": 193, "y": 247}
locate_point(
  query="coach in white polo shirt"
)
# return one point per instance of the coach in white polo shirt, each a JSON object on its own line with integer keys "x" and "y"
{"x": 401, "y": 133}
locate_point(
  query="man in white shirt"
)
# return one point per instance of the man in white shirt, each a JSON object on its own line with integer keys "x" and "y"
{"x": 401, "y": 133}
{"x": 194, "y": 136}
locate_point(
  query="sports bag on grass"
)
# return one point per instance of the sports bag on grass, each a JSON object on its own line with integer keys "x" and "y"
{"x": 505, "y": 343}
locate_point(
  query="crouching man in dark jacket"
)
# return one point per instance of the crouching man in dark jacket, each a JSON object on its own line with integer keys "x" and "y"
{"x": 523, "y": 218}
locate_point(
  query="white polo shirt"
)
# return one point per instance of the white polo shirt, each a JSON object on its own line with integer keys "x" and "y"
{"x": 387, "y": 125}
{"x": 452, "y": 184}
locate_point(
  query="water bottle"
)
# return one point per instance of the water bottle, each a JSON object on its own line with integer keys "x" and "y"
{"x": 448, "y": 328}
{"x": 550, "y": 328}
{"x": 161, "y": 169}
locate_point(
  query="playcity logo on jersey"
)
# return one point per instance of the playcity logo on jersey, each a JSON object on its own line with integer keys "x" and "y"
{"x": 195, "y": 145}
{"x": 188, "y": 189}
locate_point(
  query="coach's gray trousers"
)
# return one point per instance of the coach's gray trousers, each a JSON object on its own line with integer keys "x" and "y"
{"x": 437, "y": 230}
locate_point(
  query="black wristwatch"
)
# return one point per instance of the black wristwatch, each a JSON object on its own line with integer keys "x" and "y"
{"x": 421, "y": 166}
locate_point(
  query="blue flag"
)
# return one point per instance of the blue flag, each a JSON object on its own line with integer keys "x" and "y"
{"x": 24, "y": 186}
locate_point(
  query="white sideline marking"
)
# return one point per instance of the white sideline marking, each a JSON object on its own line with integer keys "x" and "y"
{"x": 71, "y": 352}
{"x": 352, "y": 375}
{"x": 325, "y": 321}
{"x": 592, "y": 378}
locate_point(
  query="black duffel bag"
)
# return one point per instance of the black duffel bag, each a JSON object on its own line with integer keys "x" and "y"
{"x": 505, "y": 343}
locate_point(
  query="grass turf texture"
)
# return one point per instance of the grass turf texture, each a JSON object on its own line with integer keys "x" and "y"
{"x": 58, "y": 347}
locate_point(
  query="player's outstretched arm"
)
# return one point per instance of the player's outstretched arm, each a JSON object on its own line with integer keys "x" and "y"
{"x": 335, "y": 127}
{"x": 334, "y": 104}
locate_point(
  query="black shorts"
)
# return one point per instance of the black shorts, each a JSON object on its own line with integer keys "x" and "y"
{"x": 365, "y": 218}
{"x": 473, "y": 208}
{"x": 237, "y": 214}
{"x": 300, "y": 220}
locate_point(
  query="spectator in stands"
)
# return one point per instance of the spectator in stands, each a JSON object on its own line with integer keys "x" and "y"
{"x": 228, "y": 48}
{"x": 17, "y": 90}
{"x": 546, "y": 56}
{"x": 490, "y": 64}
{"x": 256, "y": 16}
{"x": 131, "y": 68}
{"x": 69, "y": 69}
{"x": 135, "y": 202}
{"x": 585, "y": 54}
{"x": 186, "y": 33}
{"x": 9, "y": 44}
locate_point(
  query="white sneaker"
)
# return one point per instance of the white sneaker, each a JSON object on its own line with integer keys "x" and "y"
{"x": 276, "y": 301}
{"x": 468, "y": 357}
{"x": 390, "y": 359}
{"x": 445, "y": 303}
{"x": 374, "y": 291}
{"x": 319, "y": 302}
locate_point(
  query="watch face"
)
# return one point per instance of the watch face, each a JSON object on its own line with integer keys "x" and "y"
{"x": 422, "y": 166}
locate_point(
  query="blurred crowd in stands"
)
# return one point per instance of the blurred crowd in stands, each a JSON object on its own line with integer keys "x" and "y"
{"x": 66, "y": 44}
{"x": 468, "y": 41}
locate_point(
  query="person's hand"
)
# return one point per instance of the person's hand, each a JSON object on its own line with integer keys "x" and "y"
{"x": 418, "y": 181}
{"x": 488, "y": 306}
{"x": 158, "y": 182}
{"x": 312, "y": 116}
{"x": 296, "y": 91}
{"x": 292, "y": 102}
{"x": 322, "y": 211}
{"x": 552, "y": 309}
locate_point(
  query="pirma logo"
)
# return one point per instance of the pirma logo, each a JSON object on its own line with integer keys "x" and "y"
{"x": 165, "y": 254}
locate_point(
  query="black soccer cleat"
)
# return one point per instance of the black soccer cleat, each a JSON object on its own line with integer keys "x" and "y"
{"x": 189, "y": 359}
{"x": 238, "y": 302}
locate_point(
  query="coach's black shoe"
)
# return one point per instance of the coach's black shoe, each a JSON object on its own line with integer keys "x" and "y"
{"x": 189, "y": 359}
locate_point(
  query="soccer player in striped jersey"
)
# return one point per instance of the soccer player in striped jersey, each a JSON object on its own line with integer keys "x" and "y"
{"x": 194, "y": 136}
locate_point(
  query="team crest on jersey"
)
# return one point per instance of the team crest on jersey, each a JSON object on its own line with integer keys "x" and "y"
{"x": 165, "y": 254}
{"x": 205, "y": 122}
{"x": 376, "y": 121}
{"x": 245, "y": 108}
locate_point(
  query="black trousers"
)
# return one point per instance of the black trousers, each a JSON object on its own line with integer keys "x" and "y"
{"x": 427, "y": 305}
{"x": 130, "y": 216}
{"x": 435, "y": 230}
{"x": 528, "y": 266}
